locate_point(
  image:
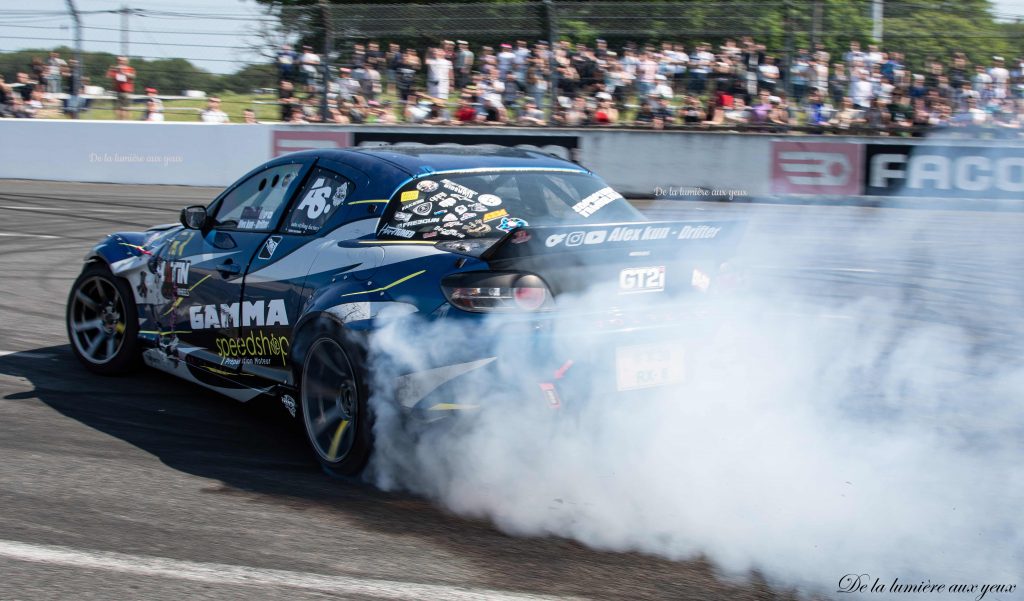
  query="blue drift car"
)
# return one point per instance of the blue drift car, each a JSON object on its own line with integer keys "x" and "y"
{"x": 275, "y": 288}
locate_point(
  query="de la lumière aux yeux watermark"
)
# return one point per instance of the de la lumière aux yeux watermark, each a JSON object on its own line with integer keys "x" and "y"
{"x": 865, "y": 583}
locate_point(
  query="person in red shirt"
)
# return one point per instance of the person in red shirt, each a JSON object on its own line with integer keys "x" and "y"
{"x": 123, "y": 77}
{"x": 465, "y": 113}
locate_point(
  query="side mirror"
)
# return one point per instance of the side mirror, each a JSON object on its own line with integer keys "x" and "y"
{"x": 194, "y": 217}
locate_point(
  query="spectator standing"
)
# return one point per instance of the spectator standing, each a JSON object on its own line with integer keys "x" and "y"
{"x": 861, "y": 90}
{"x": 513, "y": 90}
{"x": 981, "y": 78}
{"x": 38, "y": 69}
{"x": 123, "y": 77}
{"x": 153, "y": 105}
{"x": 310, "y": 64}
{"x": 370, "y": 83}
{"x": 1000, "y": 77}
{"x": 286, "y": 63}
{"x": 463, "y": 64}
{"x": 700, "y": 66}
{"x": 154, "y": 113}
{"x": 391, "y": 59}
{"x": 506, "y": 60}
{"x": 6, "y": 98}
{"x": 74, "y": 104}
{"x": 768, "y": 74}
{"x": 249, "y": 117}
{"x": 213, "y": 113}
{"x": 439, "y": 74}
{"x": 56, "y": 67}
{"x": 286, "y": 98}
{"x": 407, "y": 70}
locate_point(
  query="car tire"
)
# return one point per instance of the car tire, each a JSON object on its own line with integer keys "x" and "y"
{"x": 102, "y": 322}
{"x": 333, "y": 399}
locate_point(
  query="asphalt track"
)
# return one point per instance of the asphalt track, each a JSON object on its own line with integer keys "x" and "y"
{"x": 145, "y": 487}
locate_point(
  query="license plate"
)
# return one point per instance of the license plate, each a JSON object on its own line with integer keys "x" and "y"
{"x": 634, "y": 280}
{"x": 648, "y": 365}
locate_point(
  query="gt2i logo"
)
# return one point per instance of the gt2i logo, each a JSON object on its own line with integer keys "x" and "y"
{"x": 634, "y": 280}
{"x": 230, "y": 315}
{"x": 255, "y": 348}
{"x": 316, "y": 200}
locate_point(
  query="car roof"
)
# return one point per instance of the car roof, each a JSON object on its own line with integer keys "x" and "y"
{"x": 427, "y": 158}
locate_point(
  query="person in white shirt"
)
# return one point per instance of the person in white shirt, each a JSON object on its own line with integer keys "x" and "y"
{"x": 861, "y": 90}
{"x": 1000, "y": 77}
{"x": 506, "y": 60}
{"x": 981, "y": 79}
{"x": 154, "y": 113}
{"x": 213, "y": 114}
{"x": 439, "y": 74}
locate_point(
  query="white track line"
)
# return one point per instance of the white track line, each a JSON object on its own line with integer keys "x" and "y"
{"x": 20, "y": 235}
{"x": 226, "y": 574}
{"x": 28, "y": 354}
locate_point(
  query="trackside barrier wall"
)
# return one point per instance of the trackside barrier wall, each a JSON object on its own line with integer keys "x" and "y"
{"x": 635, "y": 162}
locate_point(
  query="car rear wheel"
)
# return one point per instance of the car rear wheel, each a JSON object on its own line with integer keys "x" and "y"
{"x": 334, "y": 398}
{"x": 102, "y": 322}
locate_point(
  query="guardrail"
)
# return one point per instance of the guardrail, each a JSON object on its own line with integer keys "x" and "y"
{"x": 639, "y": 163}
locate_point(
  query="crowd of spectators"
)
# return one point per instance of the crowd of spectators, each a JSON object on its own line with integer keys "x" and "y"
{"x": 738, "y": 85}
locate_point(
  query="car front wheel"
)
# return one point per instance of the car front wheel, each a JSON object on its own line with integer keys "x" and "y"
{"x": 102, "y": 322}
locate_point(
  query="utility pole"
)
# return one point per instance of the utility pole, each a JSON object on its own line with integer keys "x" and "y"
{"x": 786, "y": 70}
{"x": 76, "y": 73}
{"x": 552, "y": 19}
{"x": 815, "y": 24}
{"x": 125, "y": 11}
{"x": 325, "y": 60}
{"x": 877, "y": 9}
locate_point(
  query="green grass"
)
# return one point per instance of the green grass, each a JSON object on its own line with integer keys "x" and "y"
{"x": 231, "y": 103}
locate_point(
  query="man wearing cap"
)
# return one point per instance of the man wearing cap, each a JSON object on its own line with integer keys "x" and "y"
{"x": 463, "y": 64}
{"x": 1000, "y": 77}
{"x": 153, "y": 105}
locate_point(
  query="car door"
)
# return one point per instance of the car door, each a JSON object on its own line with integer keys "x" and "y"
{"x": 203, "y": 270}
{"x": 277, "y": 273}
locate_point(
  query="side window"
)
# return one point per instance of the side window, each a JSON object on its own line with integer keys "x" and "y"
{"x": 325, "y": 191}
{"x": 256, "y": 204}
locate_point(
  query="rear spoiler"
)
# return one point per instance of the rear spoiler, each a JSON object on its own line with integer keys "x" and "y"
{"x": 694, "y": 238}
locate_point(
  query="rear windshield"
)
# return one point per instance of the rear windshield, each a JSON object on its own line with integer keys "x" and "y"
{"x": 489, "y": 203}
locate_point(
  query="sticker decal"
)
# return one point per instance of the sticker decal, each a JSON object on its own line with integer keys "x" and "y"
{"x": 489, "y": 200}
{"x": 270, "y": 246}
{"x": 400, "y": 216}
{"x": 423, "y": 209}
{"x": 391, "y": 230}
{"x": 410, "y": 195}
{"x": 593, "y": 203}
{"x": 315, "y": 201}
{"x": 510, "y": 223}
{"x": 476, "y": 228}
{"x": 495, "y": 214}
{"x": 426, "y": 186}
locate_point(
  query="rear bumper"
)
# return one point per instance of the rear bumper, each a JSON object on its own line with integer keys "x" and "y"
{"x": 555, "y": 360}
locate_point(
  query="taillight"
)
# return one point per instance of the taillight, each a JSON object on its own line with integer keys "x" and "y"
{"x": 530, "y": 299}
{"x": 482, "y": 292}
